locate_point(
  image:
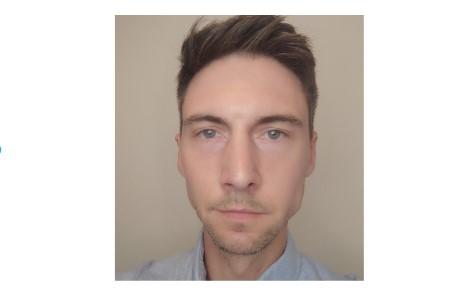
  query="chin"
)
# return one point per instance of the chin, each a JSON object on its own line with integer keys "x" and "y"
{"x": 240, "y": 245}
{"x": 241, "y": 242}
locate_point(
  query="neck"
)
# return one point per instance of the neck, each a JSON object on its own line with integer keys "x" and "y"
{"x": 221, "y": 265}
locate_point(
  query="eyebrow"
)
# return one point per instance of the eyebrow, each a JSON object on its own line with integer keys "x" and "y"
{"x": 204, "y": 118}
{"x": 264, "y": 120}
{"x": 280, "y": 118}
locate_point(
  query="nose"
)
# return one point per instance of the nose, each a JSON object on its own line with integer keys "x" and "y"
{"x": 240, "y": 165}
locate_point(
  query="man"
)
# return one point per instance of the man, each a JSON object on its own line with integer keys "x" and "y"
{"x": 247, "y": 96}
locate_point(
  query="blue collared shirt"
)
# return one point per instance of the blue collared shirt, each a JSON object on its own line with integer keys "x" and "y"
{"x": 291, "y": 265}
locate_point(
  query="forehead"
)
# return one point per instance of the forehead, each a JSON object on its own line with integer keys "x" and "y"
{"x": 240, "y": 86}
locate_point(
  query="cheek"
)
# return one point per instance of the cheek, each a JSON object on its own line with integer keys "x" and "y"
{"x": 284, "y": 176}
{"x": 199, "y": 168}
{"x": 200, "y": 162}
{"x": 285, "y": 164}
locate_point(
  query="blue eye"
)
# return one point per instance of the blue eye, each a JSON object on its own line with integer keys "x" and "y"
{"x": 208, "y": 133}
{"x": 274, "y": 134}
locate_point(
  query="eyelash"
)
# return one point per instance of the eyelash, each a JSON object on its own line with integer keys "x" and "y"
{"x": 201, "y": 132}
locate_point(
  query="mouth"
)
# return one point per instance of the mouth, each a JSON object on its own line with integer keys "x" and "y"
{"x": 240, "y": 214}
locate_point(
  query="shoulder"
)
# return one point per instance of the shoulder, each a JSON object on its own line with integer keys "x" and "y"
{"x": 311, "y": 270}
{"x": 174, "y": 268}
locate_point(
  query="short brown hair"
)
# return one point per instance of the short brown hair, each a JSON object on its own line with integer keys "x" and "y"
{"x": 255, "y": 35}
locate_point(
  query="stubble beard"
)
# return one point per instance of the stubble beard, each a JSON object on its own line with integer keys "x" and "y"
{"x": 243, "y": 247}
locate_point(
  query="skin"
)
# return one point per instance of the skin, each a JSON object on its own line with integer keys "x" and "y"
{"x": 245, "y": 152}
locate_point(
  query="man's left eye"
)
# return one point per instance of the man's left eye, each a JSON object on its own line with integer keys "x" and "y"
{"x": 208, "y": 133}
{"x": 274, "y": 134}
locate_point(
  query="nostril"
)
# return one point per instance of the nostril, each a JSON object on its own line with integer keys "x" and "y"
{"x": 231, "y": 186}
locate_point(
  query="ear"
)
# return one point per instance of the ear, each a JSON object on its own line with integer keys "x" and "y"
{"x": 179, "y": 161}
{"x": 312, "y": 154}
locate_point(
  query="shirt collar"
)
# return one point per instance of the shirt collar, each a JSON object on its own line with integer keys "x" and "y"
{"x": 198, "y": 268}
{"x": 287, "y": 267}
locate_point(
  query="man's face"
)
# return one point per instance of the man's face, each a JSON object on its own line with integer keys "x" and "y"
{"x": 245, "y": 150}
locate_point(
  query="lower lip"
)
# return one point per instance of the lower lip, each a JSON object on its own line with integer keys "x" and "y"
{"x": 240, "y": 215}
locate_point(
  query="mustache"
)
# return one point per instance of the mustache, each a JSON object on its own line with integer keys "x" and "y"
{"x": 240, "y": 201}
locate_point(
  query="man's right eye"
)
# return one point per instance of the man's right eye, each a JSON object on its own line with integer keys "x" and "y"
{"x": 208, "y": 133}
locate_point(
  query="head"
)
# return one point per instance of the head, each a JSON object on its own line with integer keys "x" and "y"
{"x": 247, "y": 97}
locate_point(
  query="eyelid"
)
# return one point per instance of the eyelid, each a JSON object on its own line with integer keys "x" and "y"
{"x": 279, "y": 130}
{"x": 200, "y": 129}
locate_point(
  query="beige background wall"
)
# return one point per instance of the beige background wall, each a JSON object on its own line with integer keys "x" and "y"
{"x": 153, "y": 217}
